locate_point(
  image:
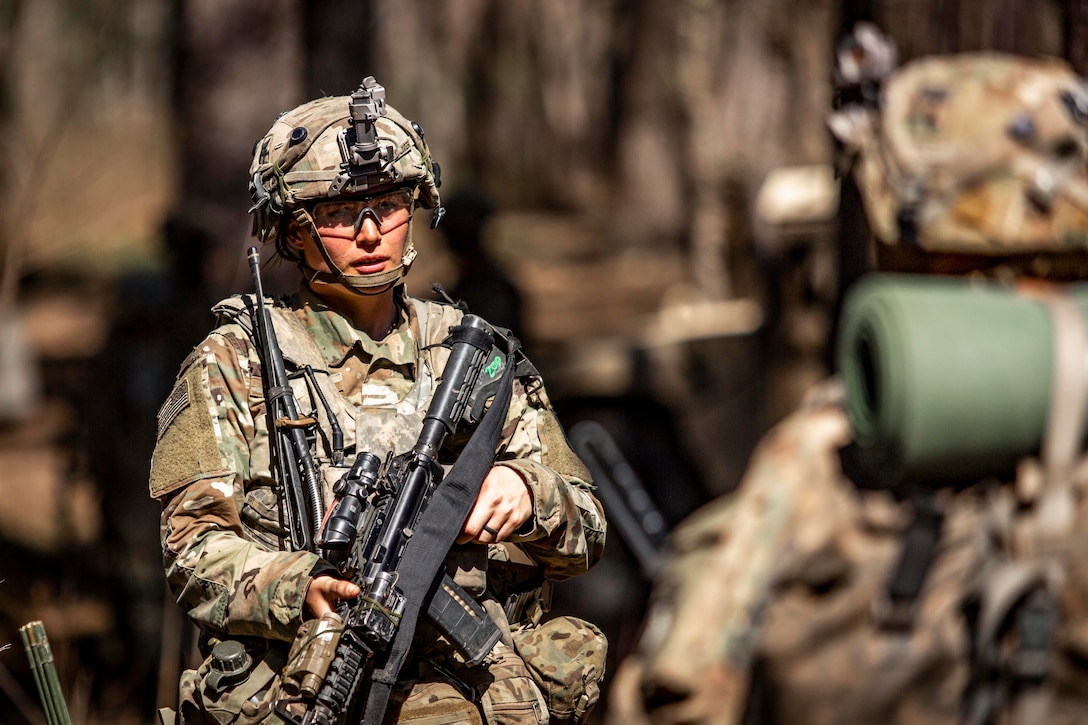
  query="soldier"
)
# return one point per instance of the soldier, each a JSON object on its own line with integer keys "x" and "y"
{"x": 336, "y": 191}
{"x": 909, "y": 547}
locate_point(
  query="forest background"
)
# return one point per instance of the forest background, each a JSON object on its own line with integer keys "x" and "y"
{"x": 620, "y": 145}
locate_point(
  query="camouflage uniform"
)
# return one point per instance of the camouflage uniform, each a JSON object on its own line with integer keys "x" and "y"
{"x": 228, "y": 559}
{"x": 771, "y": 603}
{"x": 225, "y": 557}
{"x": 775, "y": 604}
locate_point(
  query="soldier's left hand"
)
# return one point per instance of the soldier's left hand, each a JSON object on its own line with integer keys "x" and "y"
{"x": 504, "y": 504}
{"x": 325, "y": 592}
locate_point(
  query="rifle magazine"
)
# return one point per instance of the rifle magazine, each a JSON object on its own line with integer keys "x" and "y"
{"x": 461, "y": 618}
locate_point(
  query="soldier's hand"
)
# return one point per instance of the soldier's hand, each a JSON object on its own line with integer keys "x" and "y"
{"x": 325, "y": 592}
{"x": 504, "y": 504}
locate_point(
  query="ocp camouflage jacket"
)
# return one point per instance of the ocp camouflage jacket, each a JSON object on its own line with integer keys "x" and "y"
{"x": 224, "y": 548}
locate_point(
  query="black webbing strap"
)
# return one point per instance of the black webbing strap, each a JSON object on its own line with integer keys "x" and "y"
{"x": 1017, "y": 604}
{"x": 436, "y": 531}
{"x": 895, "y": 610}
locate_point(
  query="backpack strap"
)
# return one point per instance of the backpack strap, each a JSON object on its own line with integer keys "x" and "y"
{"x": 423, "y": 315}
{"x": 894, "y": 610}
{"x": 1021, "y": 596}
{"x": 1065, "y": 426}
{"x": 298, "y": 347}
{"x": 1017, "y": 597}
{"x": 300, "y": 353}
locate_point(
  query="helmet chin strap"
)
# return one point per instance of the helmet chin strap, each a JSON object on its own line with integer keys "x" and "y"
{"x": 368, "y": 285}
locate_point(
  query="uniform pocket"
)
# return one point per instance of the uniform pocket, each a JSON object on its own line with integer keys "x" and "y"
{"x": 260, "y": 516}
{"x": 433, "y": 703}
{"x": 508, "y": 695}
{"x": 566, "y": 657}
{"x": 243, "y": 698}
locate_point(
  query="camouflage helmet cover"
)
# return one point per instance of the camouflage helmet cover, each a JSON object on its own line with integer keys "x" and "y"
{"x": 974, "y": 153}
{"x": 311, "y": 153}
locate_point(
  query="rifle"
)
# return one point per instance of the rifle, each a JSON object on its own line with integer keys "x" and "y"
{"x": 630, "y": 508}
{"x": 385, "y": 500}
{"x": 40, "y": 655}
{"x": 302, "y": 503}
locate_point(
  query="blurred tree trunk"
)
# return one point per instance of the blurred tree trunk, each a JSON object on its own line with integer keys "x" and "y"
{"x": 923, "y": 27}
{"x": 337, "y": 54}
{"x": 513, "y": 94}
{"x": 1076, "y": 34}
{"x": 238, "y": 64}
{"x": 650, "y": 181}
{"x": 9, "y": 275}
{"x": 658, "y": 119}
{"x": 754, "y": 91}
{"x": 655, "y": 119}
{"x": 716, "y": 95}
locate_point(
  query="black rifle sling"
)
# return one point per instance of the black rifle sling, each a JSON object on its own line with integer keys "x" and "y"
{"x": 438, "y": 527}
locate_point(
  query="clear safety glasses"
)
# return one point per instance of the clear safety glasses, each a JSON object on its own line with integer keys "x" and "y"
{"x": 388, "y": 211}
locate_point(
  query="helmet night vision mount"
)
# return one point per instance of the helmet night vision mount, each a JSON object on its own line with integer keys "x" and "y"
{"x": 368, "y": 159}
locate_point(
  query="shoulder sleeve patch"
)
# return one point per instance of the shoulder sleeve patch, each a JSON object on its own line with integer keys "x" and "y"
{"x": 187, "y": 447}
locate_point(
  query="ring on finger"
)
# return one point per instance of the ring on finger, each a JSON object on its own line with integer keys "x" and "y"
{"x": 490, "y": 530}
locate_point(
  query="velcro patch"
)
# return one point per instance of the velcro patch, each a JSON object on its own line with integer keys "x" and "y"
{"x": 188, "y": 445}
{"x": 178, "y": 401}
{"x": 557, "y": 450}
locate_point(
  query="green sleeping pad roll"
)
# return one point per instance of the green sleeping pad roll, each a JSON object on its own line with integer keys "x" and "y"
{"x": 947, "y": 379}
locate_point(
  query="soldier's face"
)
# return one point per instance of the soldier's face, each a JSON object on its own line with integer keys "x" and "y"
{"x": 367, "y": 251}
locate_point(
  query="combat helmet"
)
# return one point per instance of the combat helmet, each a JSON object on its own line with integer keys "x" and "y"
{"x": 973, "y": 154}
{"x": 339, "y": 147}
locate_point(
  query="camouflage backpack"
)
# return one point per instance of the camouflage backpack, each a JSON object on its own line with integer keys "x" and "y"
{"x": 975, "y": 153}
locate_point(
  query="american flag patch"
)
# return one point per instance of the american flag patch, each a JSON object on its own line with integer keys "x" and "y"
{"x": 177, "y": 402}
